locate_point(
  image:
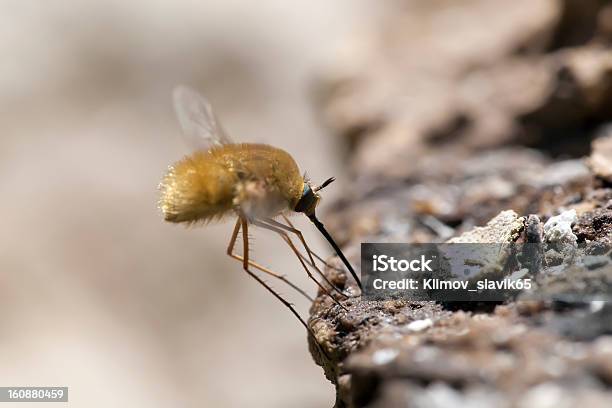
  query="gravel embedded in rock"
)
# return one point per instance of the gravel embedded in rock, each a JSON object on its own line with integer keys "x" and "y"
{"x": 477, "y": 141}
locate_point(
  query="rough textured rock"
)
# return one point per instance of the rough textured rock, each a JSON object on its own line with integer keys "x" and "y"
{"x": 470, "y": 77}
{"x": 505, "y": 227}
{"x": 472, "y": 122}
{"x": 399, "y": 353}
{"x": 601, "y": 158}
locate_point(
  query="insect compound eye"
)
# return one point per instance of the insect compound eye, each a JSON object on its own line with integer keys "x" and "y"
{"x": 307, "y": 201}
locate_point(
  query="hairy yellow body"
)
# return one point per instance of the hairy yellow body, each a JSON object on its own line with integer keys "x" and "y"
{"x": 255, "y": 179}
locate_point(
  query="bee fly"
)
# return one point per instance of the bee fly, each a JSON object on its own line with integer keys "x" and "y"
{"x": 255, "y": 182}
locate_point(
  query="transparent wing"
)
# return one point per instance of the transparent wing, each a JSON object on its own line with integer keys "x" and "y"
{"x": 200, "y": 126}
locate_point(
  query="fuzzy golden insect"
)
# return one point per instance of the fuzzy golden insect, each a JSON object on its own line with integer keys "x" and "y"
{"x": 257, "y": 183}
{"x": 255, "y": 179}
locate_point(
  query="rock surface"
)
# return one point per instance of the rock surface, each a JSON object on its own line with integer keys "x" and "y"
{"x": 601, "y": 158}
{"x": 460, "y": 116}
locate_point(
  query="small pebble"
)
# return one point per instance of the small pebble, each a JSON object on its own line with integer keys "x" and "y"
{"x": 384, "y": 356}
{"x": 419, "y": 325}
{"x": 559, "y": 227}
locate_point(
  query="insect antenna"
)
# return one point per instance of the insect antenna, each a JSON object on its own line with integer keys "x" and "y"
{"x": 325, "y": 184}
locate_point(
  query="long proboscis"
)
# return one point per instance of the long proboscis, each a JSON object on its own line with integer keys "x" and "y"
{"x": 331, "y": 241}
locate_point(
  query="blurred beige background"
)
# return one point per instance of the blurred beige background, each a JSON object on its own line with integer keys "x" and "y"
{"x": 97, "y": 293}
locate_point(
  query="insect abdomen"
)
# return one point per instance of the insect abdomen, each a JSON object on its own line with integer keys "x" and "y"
{"x": 197, "y": 188}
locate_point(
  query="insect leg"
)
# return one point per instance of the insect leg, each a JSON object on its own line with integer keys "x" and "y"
{"x": 245, "y": 266}
{"x": 308, "y": 251}
{"x": 286, "y": 238}
{"x": 320, "y": 258}
{"x": 230, "y": 252}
